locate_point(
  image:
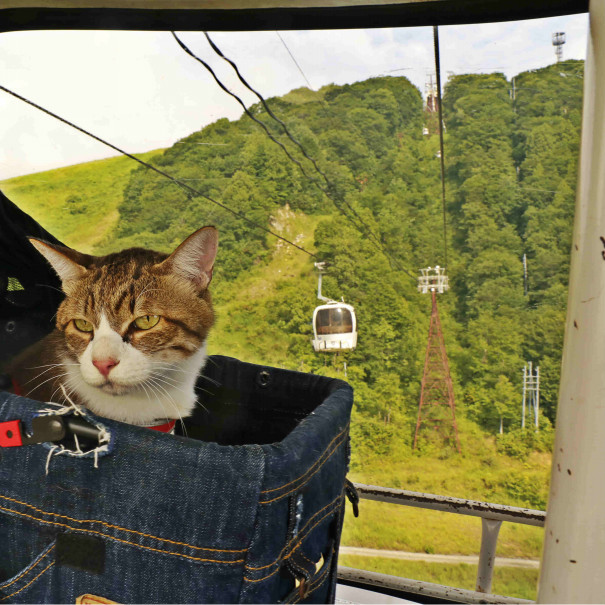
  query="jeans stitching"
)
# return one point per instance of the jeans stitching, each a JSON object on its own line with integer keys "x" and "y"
{"x": 246, "y": 579}
{"x": 18, "y": 591}
{"x": 307, "y": 479}
{"x": 133, "y": 531}
{"x": 274, "y": 489}
{"x": 28, "y": 570}
{"x": 90, "y": 531}
{"x": 300, "y": 533}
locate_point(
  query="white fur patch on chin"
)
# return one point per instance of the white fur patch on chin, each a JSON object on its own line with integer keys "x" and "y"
{"x": 171, "y": 396}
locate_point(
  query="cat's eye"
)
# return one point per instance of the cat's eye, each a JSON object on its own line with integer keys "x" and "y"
{"x": 83, "y": 325}
{"x": 145, "y": 322}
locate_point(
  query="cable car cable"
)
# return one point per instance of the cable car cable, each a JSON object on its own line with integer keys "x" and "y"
{"x": 188, "y": 189}
{"x": 375, "y": 240}
{"x": 442, "y": 158}
{"x": 266, "y": 129}
{"x": 295, "y": 61}
{"x": 327, "y": 107}
{"x": 241, "y": 78}
{"x": 243, "y": 105}
{"x": 296, "y": 142}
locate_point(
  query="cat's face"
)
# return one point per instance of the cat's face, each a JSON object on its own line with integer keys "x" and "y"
{"x": 134, "y": 325}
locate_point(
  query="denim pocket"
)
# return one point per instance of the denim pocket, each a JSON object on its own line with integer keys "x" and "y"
{"x": 31, "y": 583}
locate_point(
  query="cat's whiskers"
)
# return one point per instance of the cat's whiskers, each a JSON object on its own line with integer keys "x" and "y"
{"x": 175, "y": 386}
{"x": 67, "y": 389}
{"x": 173, "y": 368}
{"x": 50, "y": 399}
{"x": 49, "y": 379}
{"x": 171, "y": 382}
{"x": 200, "y": 389}
{"x": 210, "y": 360}
{"x": 56, "y": 365}
{"x": 146, "y": 393}
{"x": 210, "y": 380}
{"x": 173, "y": 403}
{"x": 51, "y": 365}
{"x": 50, "y": 287}
{"x": 156, "y": 388}
{"x": 69, "y": 392}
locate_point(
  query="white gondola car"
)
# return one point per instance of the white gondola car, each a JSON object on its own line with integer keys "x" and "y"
{"x": 335, "y": 327}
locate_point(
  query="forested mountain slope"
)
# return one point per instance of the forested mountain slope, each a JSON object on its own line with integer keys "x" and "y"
{"x": 512, "y": 149}
{"x": 511, "y": 152}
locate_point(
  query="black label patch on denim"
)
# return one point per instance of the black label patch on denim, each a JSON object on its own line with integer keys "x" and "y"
{"x": 82, "y": 552}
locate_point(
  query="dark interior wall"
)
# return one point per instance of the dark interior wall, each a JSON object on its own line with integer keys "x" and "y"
{"x": 436, "y": 12}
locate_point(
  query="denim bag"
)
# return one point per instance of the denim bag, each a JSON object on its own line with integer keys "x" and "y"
{"x": 247, "y": 508}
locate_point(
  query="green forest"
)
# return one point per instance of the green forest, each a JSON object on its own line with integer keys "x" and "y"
{"x": 511, "y": 150}
{"x": 511, "y": 173}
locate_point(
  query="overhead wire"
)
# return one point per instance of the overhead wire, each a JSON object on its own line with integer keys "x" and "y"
{"x": 241, "y": 78}
{"x": 266, "y": 129}
{"x": 241, "y": 103}
{"x": 441, "y": 154}
{"x": 331, "y": 191}
{"x": 294, "y": 60}
{"x": 187, "y": 188}
{"x": 392, "y": 261}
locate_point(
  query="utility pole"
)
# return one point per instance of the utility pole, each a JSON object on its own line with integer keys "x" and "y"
{"x": 430, "y": 88}
{"x": 531, "y": 394}
{"x": 437, "y": 407}
{"x": 525, "y": 286}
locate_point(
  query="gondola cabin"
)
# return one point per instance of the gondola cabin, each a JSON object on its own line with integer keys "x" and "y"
{"x": 335, "y": 327}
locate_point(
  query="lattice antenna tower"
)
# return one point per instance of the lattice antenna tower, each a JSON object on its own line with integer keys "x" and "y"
{"x": 558, "y": 39}
{"x": 437, "y": 409}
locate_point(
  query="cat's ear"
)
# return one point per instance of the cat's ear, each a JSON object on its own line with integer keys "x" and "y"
{"x": 69, "y": 264}
{"x": 194, "y": 258}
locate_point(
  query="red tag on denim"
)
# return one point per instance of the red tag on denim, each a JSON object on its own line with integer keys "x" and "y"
{"x": 10, "y": 434}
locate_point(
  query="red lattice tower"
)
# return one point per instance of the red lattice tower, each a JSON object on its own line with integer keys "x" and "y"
{"x": 437, "y": 409}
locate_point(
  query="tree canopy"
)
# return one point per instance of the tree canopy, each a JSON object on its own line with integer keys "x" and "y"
{"x": 511, "y": 152}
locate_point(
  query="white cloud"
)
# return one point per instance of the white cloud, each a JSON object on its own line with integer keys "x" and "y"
{"x": 140, "y": 91}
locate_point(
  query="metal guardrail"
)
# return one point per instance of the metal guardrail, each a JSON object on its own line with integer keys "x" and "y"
{"x": 492, "y": 516}
{"x": 427, "y": 592}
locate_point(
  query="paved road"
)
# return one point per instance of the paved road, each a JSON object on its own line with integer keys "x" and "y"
{"x": 420, "y": 556}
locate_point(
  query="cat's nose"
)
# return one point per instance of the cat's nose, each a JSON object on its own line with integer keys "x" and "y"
{"x": 105, "y": 365}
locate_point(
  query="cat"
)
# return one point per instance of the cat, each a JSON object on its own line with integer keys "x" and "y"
{"x": 130, "y": 336}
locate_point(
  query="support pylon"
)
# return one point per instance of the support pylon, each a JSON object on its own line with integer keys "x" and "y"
{"x": 437, "y": 406}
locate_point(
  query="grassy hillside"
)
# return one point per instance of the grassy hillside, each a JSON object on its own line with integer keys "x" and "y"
{"x": 77, "y": 204}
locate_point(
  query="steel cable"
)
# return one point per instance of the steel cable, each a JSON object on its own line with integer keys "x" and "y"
{"x": 188, "y": 189}
{"x": 442, "y": 158}
{"x": 331, "y": 192}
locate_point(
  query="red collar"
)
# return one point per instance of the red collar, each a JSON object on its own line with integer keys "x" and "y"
{"x": 163, "y": 428}
{"x": 16, "y": 388}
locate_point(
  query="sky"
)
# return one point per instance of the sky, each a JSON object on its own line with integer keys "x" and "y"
{"x": 141, "y": 91}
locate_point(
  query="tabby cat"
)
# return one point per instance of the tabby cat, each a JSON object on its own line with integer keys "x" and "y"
{"x": 130, "y": 336}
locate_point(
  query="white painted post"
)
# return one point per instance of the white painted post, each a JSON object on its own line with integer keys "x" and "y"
{"x": 574, "y": 550}
{"x": 487, "y": 556}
